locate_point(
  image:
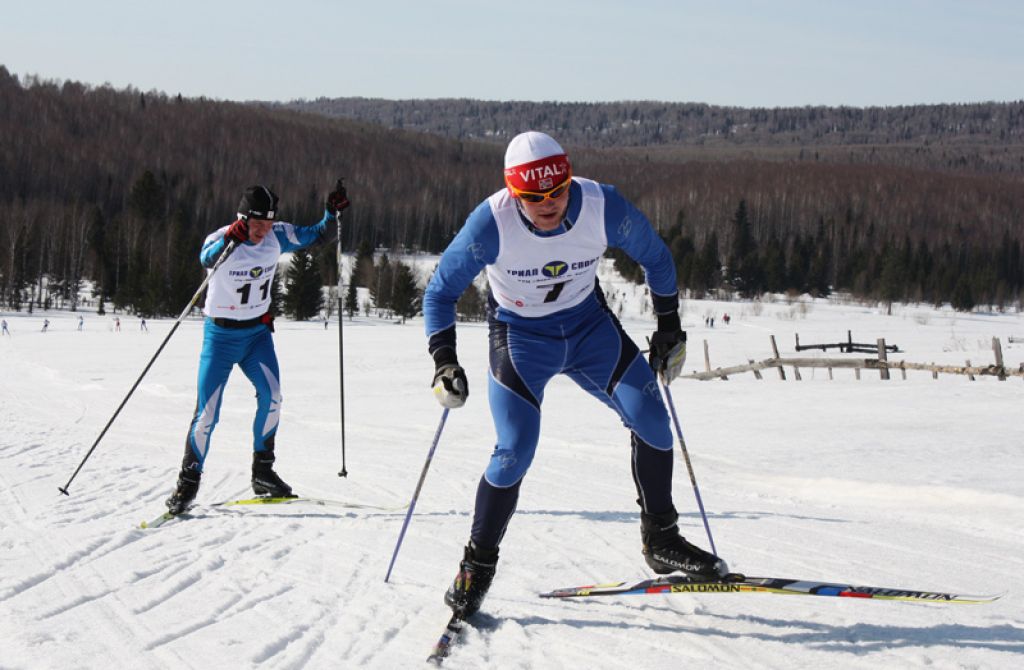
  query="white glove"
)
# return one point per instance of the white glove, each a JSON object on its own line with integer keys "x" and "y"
{"x": 450, "y": 385}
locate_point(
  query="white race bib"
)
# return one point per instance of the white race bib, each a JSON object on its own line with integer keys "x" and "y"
{"x": 536, "y": 276}
{"x": 240, "y": 289}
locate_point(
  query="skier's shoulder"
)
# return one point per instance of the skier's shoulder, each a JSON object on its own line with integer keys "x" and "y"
{"x": 479, "y": 234}
{"x": 483, "y": 217}
{"x": 613, "y": 199}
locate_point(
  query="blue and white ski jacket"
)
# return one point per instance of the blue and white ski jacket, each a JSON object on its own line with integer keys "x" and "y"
{"x": 527, "y": 284}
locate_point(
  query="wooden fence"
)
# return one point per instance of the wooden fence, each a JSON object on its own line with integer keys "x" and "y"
{"x": 881, "y": 363}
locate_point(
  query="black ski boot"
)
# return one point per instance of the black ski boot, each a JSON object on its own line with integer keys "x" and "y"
{"x": 188, "y": 486}
{"x": 667, "y": 551}
{"x": 476, "y": 571}
{"x": 265, "y": 481}
{"x": 188, "y": 483}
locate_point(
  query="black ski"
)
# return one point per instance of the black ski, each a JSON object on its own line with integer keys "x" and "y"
{"x": 741, "y": 584}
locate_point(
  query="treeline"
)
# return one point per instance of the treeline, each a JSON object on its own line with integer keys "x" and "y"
{"x": 887, "y": 270}
{"x": 119, "y": 187}
{"x": 981, "y": 136}
{"x": 302, "y": 295}
{"x": 834, "y": 228}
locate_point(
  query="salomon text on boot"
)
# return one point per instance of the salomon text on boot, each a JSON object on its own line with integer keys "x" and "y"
{"x": 476, "y": 572}
{"x": 667, "y": 551}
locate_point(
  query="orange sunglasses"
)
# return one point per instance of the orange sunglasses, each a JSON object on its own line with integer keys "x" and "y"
{"x": 554, "y": 194}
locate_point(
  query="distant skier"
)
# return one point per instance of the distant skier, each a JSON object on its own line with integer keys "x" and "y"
{"x": 4, "y": 325}
{"x": 81, "y": 324}
{"x": 117, "y": 324}
{"x": 46, "y": 325}
{"x": 237, "y": 331}
{"x": 540, "y": 240}
{"x": 142, "y": 326}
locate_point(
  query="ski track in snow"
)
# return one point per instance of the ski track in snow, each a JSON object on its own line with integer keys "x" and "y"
{"x": 904, "y": 484}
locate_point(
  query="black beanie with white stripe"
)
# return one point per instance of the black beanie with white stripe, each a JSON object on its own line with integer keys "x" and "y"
{"x": 258, "y": 202}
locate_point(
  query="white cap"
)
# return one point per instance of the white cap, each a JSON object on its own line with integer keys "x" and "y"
{"x": 531, "y": 146}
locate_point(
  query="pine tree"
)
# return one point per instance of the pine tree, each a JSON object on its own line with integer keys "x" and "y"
{"x": 963, "y": 300}
{"x": 130, "y": 292}
{"x": 626, "y": 266}
{"x": 146, "y": 199}
{"x": 798, "y": 265}
{"x": 893, "y": 276}
{"x": 471, "y": 305}
{"x": 276, "y": 295}
{"x": 304, "y": 298}
{"x": 707, "y": 271}
{"x": 744, "y": 266}
{"x": 380, "y": 289}
{"x": 363, "y": 272}
{"x": 774, "y": 264}
{"x": 819, "y": 275}
{"x": 405, "y": 294}
{"x": 184, "y": 271}
{"x": 351, "y": 299}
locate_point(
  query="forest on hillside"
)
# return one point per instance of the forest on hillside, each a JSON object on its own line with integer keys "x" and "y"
{"x": 118, "y": 187}
{"x": 985, "y": 137}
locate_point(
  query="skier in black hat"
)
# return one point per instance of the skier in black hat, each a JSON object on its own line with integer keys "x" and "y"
{"x": 238, "y": 332}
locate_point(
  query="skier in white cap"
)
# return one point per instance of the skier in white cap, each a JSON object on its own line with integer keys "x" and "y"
{"x": 540, "y": 240}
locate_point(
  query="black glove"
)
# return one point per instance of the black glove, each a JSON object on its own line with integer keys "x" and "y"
{"x": 337, "y": 199}
{"x": 668, "y": 348}
{"x": 238, "y": 231}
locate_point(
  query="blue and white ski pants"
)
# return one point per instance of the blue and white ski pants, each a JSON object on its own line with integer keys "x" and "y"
{"x": 597, "y": 354}
{"x": 252, "y": 349}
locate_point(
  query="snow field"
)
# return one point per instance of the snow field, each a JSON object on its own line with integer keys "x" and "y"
{"x": 907, "y": 483}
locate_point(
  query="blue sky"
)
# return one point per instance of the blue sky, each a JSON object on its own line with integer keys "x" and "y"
{"x": 748, "y": 53}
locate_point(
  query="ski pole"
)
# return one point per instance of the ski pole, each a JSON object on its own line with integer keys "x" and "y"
{"x": 191, "y": 303}
{"x": 341, "y": 348}
{"x": 689, "y": 466}
{"x": 416, "y": 494}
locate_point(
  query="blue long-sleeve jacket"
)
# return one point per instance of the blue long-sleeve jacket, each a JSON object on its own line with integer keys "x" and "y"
{"x": 477, "y": 245}
{"x": 289, "y": 238}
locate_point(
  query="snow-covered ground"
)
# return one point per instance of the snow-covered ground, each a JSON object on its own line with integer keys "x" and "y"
{"x": 911, "y": 483}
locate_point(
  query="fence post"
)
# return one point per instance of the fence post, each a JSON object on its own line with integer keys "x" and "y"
{"x": 997, "y": 347}
{"x": 969, "y": 375}
{"x": 707, "y": 358}
{"x": 775, "y": 353}
{"x": 757, "y": 373}
{"x": 883, "y": 358}
{"x": 935, "y": 373}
